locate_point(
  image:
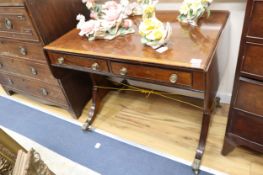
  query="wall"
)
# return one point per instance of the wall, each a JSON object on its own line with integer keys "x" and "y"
{"x": 230, "y": 45}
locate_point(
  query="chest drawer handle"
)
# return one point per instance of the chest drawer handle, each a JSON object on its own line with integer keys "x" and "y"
{"x": 44, "y": 92}
{"x": 10, "y": 82}
{"x": 8, "y": 24}
{"x": 123, "y": 71}
{"x": 33, "y": 71}
{"x": 23, "y": 51}
{"x": 173, "y": 78}
{"x": 61, "y": 60}
{"x": 95, "y": 66}
{"x": 1, "y": 65}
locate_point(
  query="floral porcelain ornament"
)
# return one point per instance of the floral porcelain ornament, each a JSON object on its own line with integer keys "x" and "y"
{"x": 153, "y": 32}
{"x": 108, "y": 20}
{"x": 192, "y": 10}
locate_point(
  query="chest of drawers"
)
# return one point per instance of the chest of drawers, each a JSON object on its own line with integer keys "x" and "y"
{"x": 25, "y": 27}
{"x": 245, "y": 123}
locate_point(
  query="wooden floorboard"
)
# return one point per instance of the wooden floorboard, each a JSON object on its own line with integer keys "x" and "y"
{"x": 166, "y": 126}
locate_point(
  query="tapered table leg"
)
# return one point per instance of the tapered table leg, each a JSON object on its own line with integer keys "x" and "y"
{"x": 97, "y": 97}
{"x": 202, "y": 142}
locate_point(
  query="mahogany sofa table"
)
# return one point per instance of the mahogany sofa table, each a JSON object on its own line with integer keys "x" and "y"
{"x": 190, "y": 63}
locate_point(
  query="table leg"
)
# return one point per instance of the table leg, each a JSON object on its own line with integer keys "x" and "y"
{"x": 97, "y": 97}
{"x": 202, "y": 142}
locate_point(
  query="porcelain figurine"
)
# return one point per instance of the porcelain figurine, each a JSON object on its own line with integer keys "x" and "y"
{"x": 153, "y": 32}
{"x": 108, "y": 20}
{"x": 192, "y": 10}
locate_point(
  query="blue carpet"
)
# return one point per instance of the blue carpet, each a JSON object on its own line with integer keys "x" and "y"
{"x": 113, "y": 157}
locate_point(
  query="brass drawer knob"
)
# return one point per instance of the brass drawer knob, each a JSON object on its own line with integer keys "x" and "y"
{"x": 23, "y": 51}
{"x": 173, "y": 78}
{"x": 10, "y": 82}
{"x": 44, "y": 92}
{"x": 95, "y": 66}
{"x": 1, "y": 65}
{"x": 123, "y": 71}
{"x": 33, "y": 71}
{"x": 61, "y": 60}
{"x": 8, "y": 24}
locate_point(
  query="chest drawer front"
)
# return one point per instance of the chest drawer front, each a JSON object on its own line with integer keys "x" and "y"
{"x": 250, "y": 97}
{"x": 15, "y": 23}
{"x": 247, "y": 126}
{"x": 24, "y": 50}
{"x": 27, "y": 68}
{"x": 80, "y": 63}
{"x": 152, "y": 73}
{"x": 256, "y": 20}
{"x": 33, "y": 87}
{"x": 253, "y": 60}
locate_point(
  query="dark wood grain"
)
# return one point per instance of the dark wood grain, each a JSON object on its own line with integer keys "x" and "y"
{"x": 27, "y": 25}
{"x": 245, "y": 119}
{"x": 27, "y": 68}
{"x": 127, "y": 59}
{"x": 22, "y": 27}
{"x": 54, "y": 18}
{"x": 34, "y": 88}
{"x": 32, "y": 51}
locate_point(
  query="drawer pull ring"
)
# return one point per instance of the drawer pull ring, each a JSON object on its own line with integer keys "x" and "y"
{"x": 23, "y": 51}
{"x": 8, "y": 24}
{"x": 61, "y": 60}
{"x": 95, "y": 66}
{"x": 10, "y": 82}
{"x": 173, "y": 78}
{"x": 123, "y": 71}
{"x": 33, "y": 71}
{"x": 1, "y": 65}
{"x": 44, "y": 92}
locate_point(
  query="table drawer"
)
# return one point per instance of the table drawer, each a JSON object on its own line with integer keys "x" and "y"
{"x": 33, "y": 87}
{"x": 250, "y": 96}
{"x": 27, "y": 68}
{"x": 253, "y": 60}
{"x": 247, "y": 126}
{"x": 24, "y": 50}
{"x": 77, "y": 62}
{"x": 153, "y": 73}
{"x": 15, "y": 23}
{"x": 255, "y": 20}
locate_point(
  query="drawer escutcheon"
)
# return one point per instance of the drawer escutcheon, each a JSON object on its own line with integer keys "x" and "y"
{"x": 95, "y": 66}
{"x": 8, "y": 24}
{"x": 33, "y": 71}
{"x": 61, "y": 60}
{"x": 123, "y": 71}
{"x": 44, "y": 92}
{"x": 173, "y": 78}
{"x": 23, "y": 51}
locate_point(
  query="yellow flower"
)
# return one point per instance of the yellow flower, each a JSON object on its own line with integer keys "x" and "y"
{"x": 149, "y": 11}
{"x": 158, "y": 34}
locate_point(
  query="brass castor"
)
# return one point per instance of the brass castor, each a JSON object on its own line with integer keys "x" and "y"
{"x": 196, "y": 166}
{"x": 86, "y": 127}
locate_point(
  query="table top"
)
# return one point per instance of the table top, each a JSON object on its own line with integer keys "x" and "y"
{"x": 186, "y": 43}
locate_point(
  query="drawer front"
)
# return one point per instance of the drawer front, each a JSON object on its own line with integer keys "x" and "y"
{"x": 24, "y": 50}
{"x": 256, "y": 20}
{"x": 80, "y": 63}
{"x": 247, "y": 126}
{"x": 27, "y": 68}
{"x": 253, "y": 60}
{"x": 34, "y": 88}
{"x": 15, "y": 23}
{"x": 152, "y": 73}
{"x": 250, "y": 97}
